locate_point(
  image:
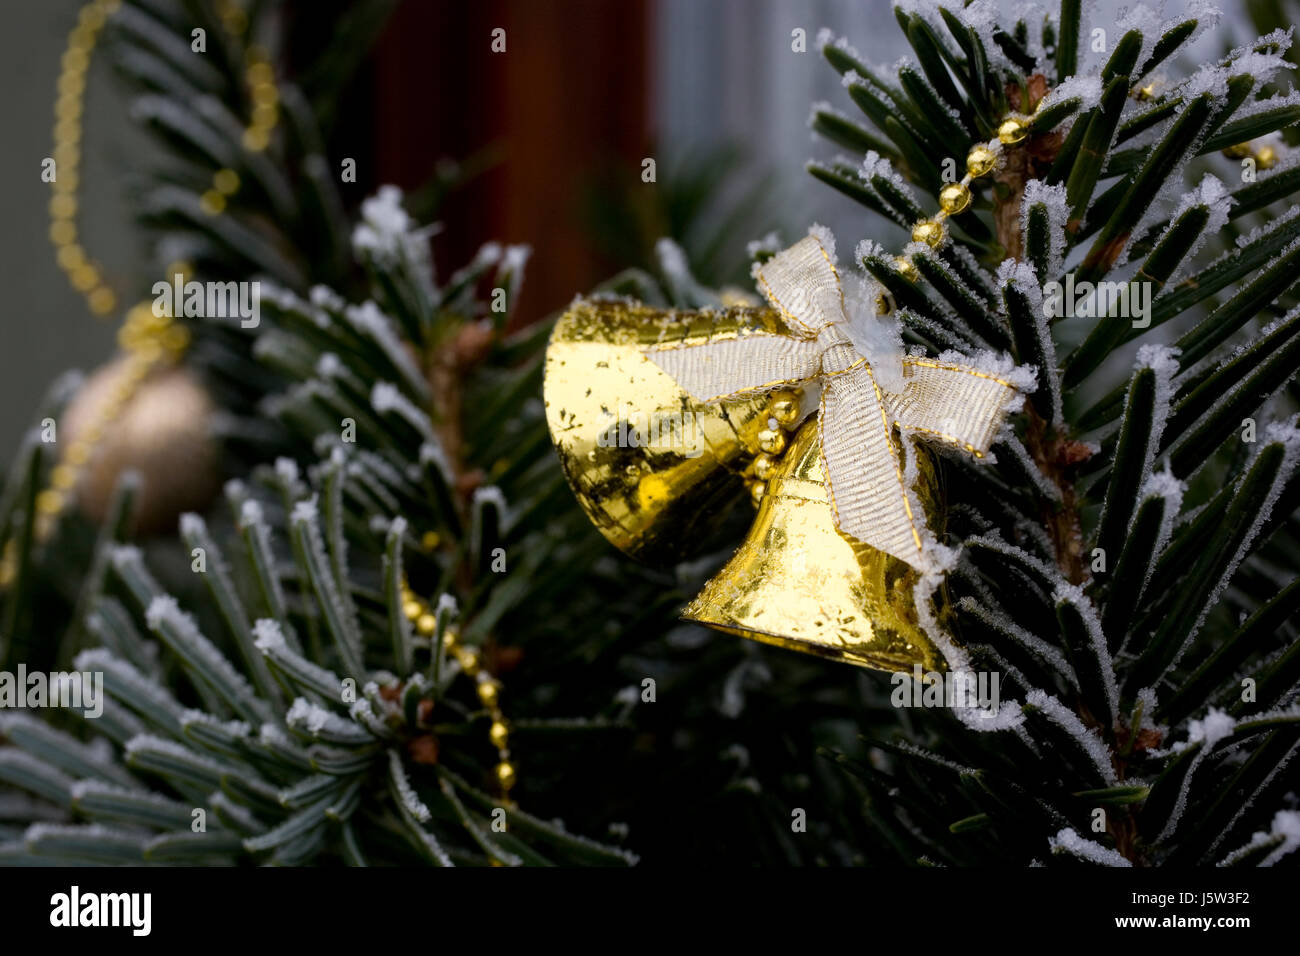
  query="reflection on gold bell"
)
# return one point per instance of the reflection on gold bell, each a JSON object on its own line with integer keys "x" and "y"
{"x": 653, "y": 468}
{"x": 798, "y": 583}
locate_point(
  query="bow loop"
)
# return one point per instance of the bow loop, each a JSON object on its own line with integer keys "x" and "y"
{"x": 802, "y": 284}
{"x": 866, "y": 472}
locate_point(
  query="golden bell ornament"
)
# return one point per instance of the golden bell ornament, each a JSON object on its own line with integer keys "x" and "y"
{"x": 798, "y": 583}
{"x": 162, "y": 431}
{"x": 653, "y": 468}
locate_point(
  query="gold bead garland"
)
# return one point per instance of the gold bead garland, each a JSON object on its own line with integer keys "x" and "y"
{"x": 150, "y": 341}
{"x": 783, "y": 407}
{"x": 487, "y": 687}
{"x": 955, "y": 198}
{"x": 84, "y": 274}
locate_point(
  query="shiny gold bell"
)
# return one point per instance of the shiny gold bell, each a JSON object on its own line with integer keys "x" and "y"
{"x": 798, "y": 583}
{"x": 655, "y": 470}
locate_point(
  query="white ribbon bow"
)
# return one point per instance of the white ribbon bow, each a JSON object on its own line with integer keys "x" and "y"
{"x": 868, "y": 480}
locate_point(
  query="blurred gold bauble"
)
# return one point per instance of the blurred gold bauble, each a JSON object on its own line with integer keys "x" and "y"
{"x": 162, "y": 432}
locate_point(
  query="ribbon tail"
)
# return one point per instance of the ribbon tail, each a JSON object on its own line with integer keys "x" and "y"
{"x": 865, "y": 477}
{"x": 951, "y": 404}
{"x": 727, "y": 368}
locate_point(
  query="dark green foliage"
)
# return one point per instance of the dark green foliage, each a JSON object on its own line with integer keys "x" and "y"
{"x": 1125, "y": 666}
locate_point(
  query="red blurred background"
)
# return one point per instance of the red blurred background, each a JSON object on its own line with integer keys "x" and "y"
{"x": 567, "y": 99}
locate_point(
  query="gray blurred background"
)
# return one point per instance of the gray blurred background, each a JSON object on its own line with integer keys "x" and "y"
{"x": 719, "y": 71}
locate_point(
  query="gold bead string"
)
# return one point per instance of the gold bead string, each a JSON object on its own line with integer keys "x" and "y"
{"x": 150, "y": 341}
{"x": 782, "y": 412}
{"x": 955, "y": 198}
{"x": 84, "y": 274}
{"x": 488, "y": 688}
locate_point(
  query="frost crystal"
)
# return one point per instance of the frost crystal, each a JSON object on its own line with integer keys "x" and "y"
{"x": 1052, "y": 198}
{"x": 1069, "y": 721}
{"x": 1067, "y": 841}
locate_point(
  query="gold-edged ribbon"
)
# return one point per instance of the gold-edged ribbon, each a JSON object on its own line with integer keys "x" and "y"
{"x": 865, "y": 470}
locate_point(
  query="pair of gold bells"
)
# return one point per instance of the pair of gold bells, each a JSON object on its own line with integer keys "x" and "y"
{"x": 656, "y": 471}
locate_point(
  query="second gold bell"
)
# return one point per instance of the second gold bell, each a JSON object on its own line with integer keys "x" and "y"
{"x": 798, "y": 583}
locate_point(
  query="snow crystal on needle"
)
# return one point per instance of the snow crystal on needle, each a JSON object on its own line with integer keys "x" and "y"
{"x": 514, "y": 260}
{"x": 982, "y": 17}
{"x": 1058, "y": 214}
{"x": 370, "y": 319}
{"x": 826, "y": 37}
{"x": 1022, "y": 276}
{"x": 323, "y": 297}
{"x": 1085, "y": 87}
{"x": 1163, "y": 361}
{"x": 164, "y": 609}
{"x": 1212, "y": 194}
{"x": 1287, "y": 826}
{"x": 432, "y": 453}
{"x": 405, "y": 792}
{"x": 1069, "y": 721}
{"x": 1209, "y": 730}
{"x": 1147, "y": 21}
{"x": 1073, "y": 594}
{"x": 490, "y": 494}
{"x": 1000, "y": 621}
{"x": 1067, "y": 841}
{"x": 386, "y": 233}
{"x": 386, "y": 397}
{"x": 236, "y": 728}
{"x": 315, "y": 718}
{"x": 267, "y": 635}
{"x": 304, "y": 511}
{"x": 1286, "y": 434}
{"x": 867, "y": 249}
{"x": 156, "y": 744}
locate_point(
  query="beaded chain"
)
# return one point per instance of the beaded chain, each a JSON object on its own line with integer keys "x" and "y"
{"x": 955, "y": 198}
{"x": 470, "y": 659}
{"x": 150, "y": 341}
